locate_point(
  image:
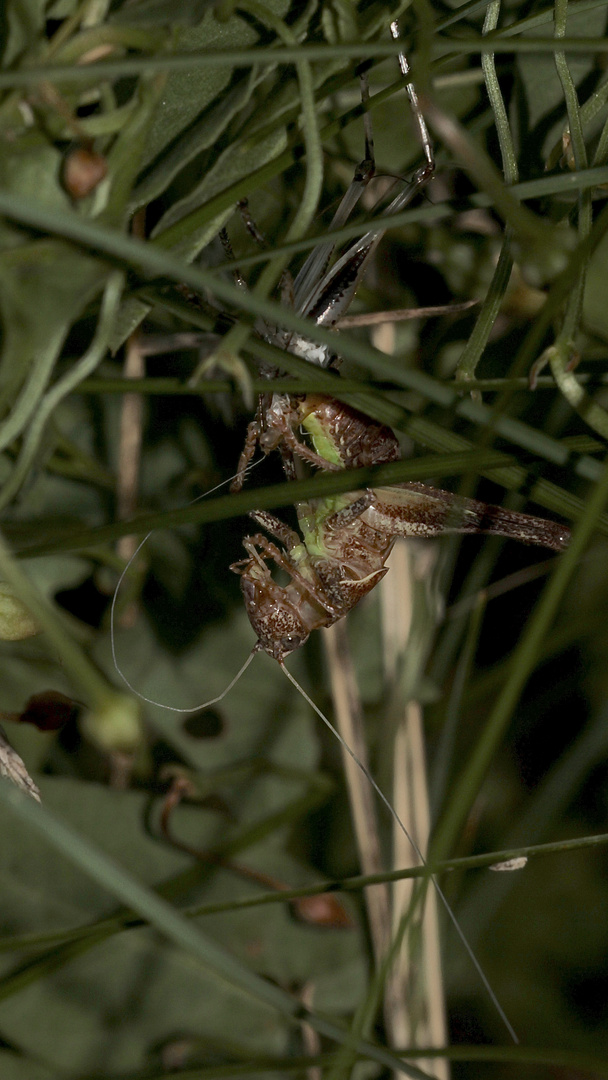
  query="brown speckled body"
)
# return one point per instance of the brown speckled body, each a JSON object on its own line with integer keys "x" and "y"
{"x": 346, "y": 539}
{"x": 359, "y": 440}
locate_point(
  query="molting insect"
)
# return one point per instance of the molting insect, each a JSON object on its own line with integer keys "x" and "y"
{"x": 345, "y": 540}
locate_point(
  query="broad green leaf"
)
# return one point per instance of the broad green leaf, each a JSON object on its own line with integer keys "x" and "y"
{"x": 233, "y": 166}
{"x": 202, "y": 134}
{"x": 188, "y": 94}
{"x": 31, "y": 286}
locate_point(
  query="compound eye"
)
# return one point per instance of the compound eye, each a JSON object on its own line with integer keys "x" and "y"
{"x": 293, "y": 641}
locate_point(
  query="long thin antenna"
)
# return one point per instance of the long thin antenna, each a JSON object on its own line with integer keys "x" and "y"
{"x": 118, "y": 669}
{"x": 468, "y": 948}
{"x": 410, "y": 89}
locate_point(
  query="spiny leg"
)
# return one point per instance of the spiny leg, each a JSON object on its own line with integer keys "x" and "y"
{"x": 327, "y": 299}
{"x": 279, "y": 421}
{"x": 348, "y": 514}
{"x": 308, "y": 279}
{"x": 286, "y": 279}
{"x": 269, "y": 436}
{"x": 288, "y": 463}
{"x": 276, "y": 528}
{"x": 261, "y": 549}
{"x": 428, "y": 169}
{"x": 239, "y": 280}
{"x": 257, "y": 426}
{"x": 250, "y": 224}
{"x": 301, "y": 450}
{"x": 252, "y": 439}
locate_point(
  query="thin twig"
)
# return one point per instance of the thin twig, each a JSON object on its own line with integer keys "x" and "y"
{"x": 349, "y": 721}
{"x": 130, "y": 444}
{"x": 416, "y": 977}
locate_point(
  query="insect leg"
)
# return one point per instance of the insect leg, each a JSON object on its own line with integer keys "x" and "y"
{"x": 254, "y": 431}
{"x": 428, "y": 169}
{"x": 301, "y": 450}
{"x": 327, "y": 300}
{"x": 276, "y": 528}
{"x": 306, "y": 284}
{"x": 316, "y": 264}
{"x": 279, "y": 420}
{"x": 286, "y": 280}
{"x": 250, "y": 224}
{"x": 342, "y": 518}
{"x": 229, "y": 253}
{"x": 261, "y": 550}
